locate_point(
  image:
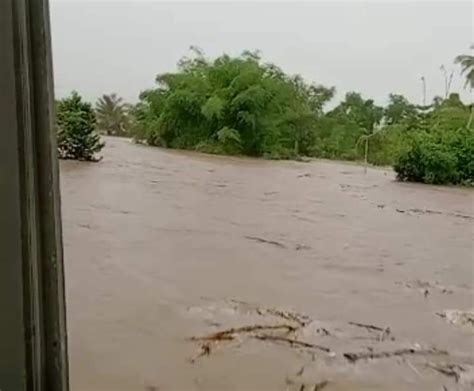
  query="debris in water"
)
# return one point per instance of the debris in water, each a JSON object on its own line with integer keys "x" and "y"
{"x": 418, "y": 211}
{"x": 299, "y": 247}
{"x": 292, "y": 342}
{"x": 298, "y": 318}
{"x": 313, "y": 387}
{"x": 323, "y": 331}
{"x": 367, "y": 326}
{"x": 229, "y": 334}
{"x": 451, "y": 370}
{"x": 426, "y": 287}
{"x": 462, "y": 216}
{"x": 353, "y": 357}
{"x": 261, "y": 240}
{"x": 205, "y": 350}
{"x": 260, "y": 332}
{"x": 458, "y": 317}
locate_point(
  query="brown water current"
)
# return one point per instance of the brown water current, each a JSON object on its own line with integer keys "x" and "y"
{"x": 162, "y": 246}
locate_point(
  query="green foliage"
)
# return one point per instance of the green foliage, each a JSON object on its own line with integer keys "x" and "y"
{"x": 231, "y": 105}
{"x": 398, "y": 110}
{"x": 467, "y": 67}
{"x": 228, "y": 143}
{"x": 112, "y": 115}
{"x": 240, "y": 105}
{"x": 76, "y": 121}
{"x": 337, "y": 133}
{"x": 441, "y": 152}
{"x": 386, "y": 145}
{"x": 229, "y": 137}
{"x": 336, "y": 138}
{"x": 362, "y": 113}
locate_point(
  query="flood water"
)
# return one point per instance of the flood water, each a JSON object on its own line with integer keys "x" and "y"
{"x": 162, "y": 245}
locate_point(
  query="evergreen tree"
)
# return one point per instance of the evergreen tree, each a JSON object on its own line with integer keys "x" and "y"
{"x": 76, "y": 121}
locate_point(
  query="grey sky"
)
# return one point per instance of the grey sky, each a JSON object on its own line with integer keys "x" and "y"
{"x": 375, "y": 48}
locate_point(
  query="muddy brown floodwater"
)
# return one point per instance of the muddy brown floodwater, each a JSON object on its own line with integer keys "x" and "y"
{"x": 343, "y": 278}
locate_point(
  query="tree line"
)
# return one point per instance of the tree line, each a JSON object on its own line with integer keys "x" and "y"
{"x": 243, "y": 106}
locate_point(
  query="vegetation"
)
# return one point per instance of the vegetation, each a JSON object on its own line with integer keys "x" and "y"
{"x": 231, "y": 105}
{"x": 467, "y": 67}
{"x": 76, "y": 122}
{"x": 438, "y": 148}
{"x": 243, "y": 106}
{"x": 337, "y": 134}
{"x": 112, "y": 115}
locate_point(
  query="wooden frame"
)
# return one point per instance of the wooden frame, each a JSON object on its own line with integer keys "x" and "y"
{"x": 33, "y": 342}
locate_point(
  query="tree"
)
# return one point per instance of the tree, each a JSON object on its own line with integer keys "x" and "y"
{"x": 340, "y": 134}
{"x": 76, "y": 121}
{"x": 231, "y": 105}
{"x": 112, "y": 115}
{"x": 398, "y": 109}
{"x": 365, "y": 113}
{"x": 467, "y": 67}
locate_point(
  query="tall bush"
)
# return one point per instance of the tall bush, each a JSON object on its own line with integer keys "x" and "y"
{"x": 77, "y": 138}
{"x": 438, "y": 156}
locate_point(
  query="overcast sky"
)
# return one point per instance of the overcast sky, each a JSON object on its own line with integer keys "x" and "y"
{"x": 372, "y": 47}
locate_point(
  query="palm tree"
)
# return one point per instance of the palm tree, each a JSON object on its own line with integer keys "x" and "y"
{"x": 112, "y": 115}
{"x": 467, "y": 67}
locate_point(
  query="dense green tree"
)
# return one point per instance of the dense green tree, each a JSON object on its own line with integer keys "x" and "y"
{"x": 364, "y": 113}
{"x": 398, "y": 109}
{"x": 338, "y": 133}
{"x": 77, "y": 138}
{"x": 112, "y": 115}
{"x": 238, "y": 105}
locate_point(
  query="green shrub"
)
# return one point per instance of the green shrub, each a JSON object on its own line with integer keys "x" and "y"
{"x": 438, "y": 157}
{"x": 77, "y": 138}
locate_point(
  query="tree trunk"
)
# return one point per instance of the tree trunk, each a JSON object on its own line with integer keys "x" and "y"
{"x": 470, "y": 116}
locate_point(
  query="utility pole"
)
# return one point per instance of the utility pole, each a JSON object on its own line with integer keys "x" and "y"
{"x": 33, "y": 343}
{"x": 423, "y": 81}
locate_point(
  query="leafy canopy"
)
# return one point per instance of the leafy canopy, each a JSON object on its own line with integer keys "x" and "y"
{"x": 231, "y": 105}
{"x": 241, "y": 105}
